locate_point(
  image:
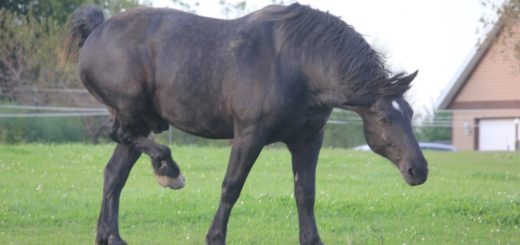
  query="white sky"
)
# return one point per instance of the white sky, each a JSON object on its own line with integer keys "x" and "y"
{"x": 435, "y": 37}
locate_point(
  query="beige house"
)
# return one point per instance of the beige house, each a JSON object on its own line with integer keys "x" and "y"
{"x": 484, "y": 97}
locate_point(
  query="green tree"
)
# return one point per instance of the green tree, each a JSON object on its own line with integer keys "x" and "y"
{"x": 507, "y": 14}
{"x": 344, "y": 129}
{"x": 59, "y": 10}
{"x": 31, "y": 38}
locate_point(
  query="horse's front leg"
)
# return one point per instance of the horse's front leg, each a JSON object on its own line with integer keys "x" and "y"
{"x": 304, "y": 154}
{"x": 245, "y": 150}
{"x": 116, "y": 174}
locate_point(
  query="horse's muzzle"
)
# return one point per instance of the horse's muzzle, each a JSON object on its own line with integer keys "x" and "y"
{"x": 415, "y": 173}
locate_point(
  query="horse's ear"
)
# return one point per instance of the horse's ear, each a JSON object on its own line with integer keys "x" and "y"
{"x": 406, "y": 80}
{"x": 365, "y": 100}
{"x": 398, "y": 84}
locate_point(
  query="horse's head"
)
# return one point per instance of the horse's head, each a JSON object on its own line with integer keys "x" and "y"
{"x": 388, "y": 131}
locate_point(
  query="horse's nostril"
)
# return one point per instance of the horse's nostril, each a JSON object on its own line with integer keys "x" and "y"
{"x": 411, "y": 171}
{"x": 417, "y": 171}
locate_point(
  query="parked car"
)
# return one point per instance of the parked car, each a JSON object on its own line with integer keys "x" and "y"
{"x": 428, "y": 146}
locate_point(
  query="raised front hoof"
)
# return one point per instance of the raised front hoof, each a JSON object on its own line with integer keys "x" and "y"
{"x": 173, "y": 183}
{"x": 110, "y": 240}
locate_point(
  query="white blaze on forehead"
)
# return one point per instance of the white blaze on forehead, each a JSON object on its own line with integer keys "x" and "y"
{"x": 396, "y": 106}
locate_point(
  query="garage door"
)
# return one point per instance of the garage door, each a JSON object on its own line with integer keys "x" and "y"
{"x": 497, "y": 135}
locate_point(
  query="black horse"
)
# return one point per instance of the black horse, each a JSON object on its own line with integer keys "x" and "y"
{"x": 272, "y": 76}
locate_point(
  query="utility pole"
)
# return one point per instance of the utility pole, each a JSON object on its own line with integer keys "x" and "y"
{"x": 170, "y": 135}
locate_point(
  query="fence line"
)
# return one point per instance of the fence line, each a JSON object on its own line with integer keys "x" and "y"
{"x": 99, "y": 111}
{"x": 70, "y": 114}
{"x": 105, "y": 113}
{"x": 54, "y": 108}
{"x": 52, "y": 90}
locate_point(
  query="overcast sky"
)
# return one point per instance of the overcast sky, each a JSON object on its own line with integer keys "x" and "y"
{"x": 434, "y": 37}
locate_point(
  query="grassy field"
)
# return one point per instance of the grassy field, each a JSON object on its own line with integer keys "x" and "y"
{"x": 51, "y": 194}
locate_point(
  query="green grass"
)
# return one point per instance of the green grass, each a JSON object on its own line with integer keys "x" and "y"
{"x": 51, "y": 194}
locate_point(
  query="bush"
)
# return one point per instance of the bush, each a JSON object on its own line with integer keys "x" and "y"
{"x": 45, "y": 130}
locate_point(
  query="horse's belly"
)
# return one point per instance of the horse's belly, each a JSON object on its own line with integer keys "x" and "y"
{"x": 203, "y": 123}
{"x": 210, "y": 130}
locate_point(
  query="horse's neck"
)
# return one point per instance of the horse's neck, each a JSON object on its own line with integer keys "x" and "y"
{"x": 324, "y": 85}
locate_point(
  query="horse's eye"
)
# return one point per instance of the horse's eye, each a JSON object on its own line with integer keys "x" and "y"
{"x": 384, "y": 120}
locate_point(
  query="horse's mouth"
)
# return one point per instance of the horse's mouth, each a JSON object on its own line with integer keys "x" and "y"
{"x": 415, "y": 174}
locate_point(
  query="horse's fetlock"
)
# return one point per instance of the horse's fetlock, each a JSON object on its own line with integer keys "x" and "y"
{"x": 215, "y": 238}
{"x": 164, "y": 152}
{"x": 115, "y": 240}
{"x": 101, "y": 240}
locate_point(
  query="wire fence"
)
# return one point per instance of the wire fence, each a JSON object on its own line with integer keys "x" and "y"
{"x": 344, "y": 117}
{"x": 35, "y": 123}
{"x": 28, "y": 111}
{"x": 51, "y": 111}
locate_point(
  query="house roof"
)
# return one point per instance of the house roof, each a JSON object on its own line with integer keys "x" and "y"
{"x": 467, "y": 68}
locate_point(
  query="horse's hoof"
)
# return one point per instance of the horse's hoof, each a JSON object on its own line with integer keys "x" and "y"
{"x": 215, "y": 241}
{"x": 173, "y": 183}
{"x": 111, "y": 240}
{"x": 116, "y": 240}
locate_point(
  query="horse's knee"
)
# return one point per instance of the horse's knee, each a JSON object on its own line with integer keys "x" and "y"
{"x": 304, "y": 199}
{"x": 230, "y": 192}
{"x": 304, "y": 193}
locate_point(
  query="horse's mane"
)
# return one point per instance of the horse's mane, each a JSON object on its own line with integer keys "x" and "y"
{"x": 336, "y": 45}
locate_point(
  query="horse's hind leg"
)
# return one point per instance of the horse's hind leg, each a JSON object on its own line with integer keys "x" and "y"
{"x": 166, "y": 170}
{"x": 116, "y": 174}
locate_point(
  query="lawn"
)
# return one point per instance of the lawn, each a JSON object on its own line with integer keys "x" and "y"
{"x": 51, "y": 194}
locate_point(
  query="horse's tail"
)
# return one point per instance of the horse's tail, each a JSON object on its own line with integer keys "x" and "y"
{"x": 83, "y": 21}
